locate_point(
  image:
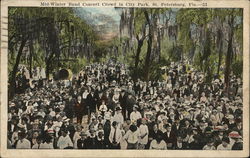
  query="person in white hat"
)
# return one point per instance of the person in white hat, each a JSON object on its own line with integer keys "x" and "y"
{"x": 237, "y": 140}
{"x": 118, "y": 117}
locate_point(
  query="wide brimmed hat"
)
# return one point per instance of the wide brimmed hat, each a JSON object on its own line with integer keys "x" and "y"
{"x": 234, "y": 134}
{"x": 191, "y": 109}
{"x": 118, "y": 108}
{"x": 136, "y": 106}
{"x": 50, "y": 131}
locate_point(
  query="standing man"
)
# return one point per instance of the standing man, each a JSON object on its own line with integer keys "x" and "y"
{"x": 122, "y": 100}
{"x": 91, "y": 104}
{"x": 115, "y": 136}
{"x": 79, "y": 109}
{"x": 130, "y": 102}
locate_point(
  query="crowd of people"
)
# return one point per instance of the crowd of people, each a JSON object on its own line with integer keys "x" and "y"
{"x": 104, "y": 108}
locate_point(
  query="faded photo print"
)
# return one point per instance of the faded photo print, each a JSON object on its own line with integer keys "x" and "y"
{"x": 125, "y": 78}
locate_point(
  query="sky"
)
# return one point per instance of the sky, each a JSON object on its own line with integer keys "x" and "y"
{"x": 101, "y": 10}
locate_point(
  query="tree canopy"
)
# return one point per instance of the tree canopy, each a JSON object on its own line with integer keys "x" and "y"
{"x": 148, "y": 38}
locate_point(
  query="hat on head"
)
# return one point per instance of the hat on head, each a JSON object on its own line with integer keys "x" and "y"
{"x": 57, "y": 110}
{"x": 219, "y": 128}
{"x": 12, "y": 104}
{"x": 191, "y": 109}
{"x": 149, "y": 113}
{"x": 136, "y": 106}
{"x": 50, "y": 131}
{"x": 118, "y": 108}
{"x": 65, "y": 119}
{"x": 133, "y": 128}
{"x": 171, "y": 113}
{"x": 234, "y": 134}
{"x": 197, "y": 106}
{"x": 230, "y": 117}
{"x": 194, "y": 128}
{"x": 110, "y": 110}
{"x": 170, "y": 107}
{"x": 164, "y": 117}
{"x": 65, "y": 130}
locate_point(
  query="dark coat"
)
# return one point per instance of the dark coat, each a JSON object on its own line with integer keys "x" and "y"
{"x": 237, "y": 146}
{"x": 79, "y": 108}
{"x": 91, "y": 102}
{"x": 171, "y": 139}
{"x": 91, "y": 143}
{"x": 81, "y": 144}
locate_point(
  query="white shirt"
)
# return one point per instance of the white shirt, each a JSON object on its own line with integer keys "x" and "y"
{"x": 221, "y": 147}
{"x": 30, "y": 109}
{"x": 75, "y": 138}
{"x": 46, "y": 146}
{"x": 135, "y": 116}
{"x": 84, "y": 95}
{"x": 64, "y": 142}
{"x": 118, "y": 118}
{"x": 132, "y": 137}
{"x": 161, "y": 146}
{"x": 52, "y": 113}
{"x": 206, "y": 147}
{"x": 143, "y": 131}
{"x": 24, "y": 144}
{"x": 103, "y": 108}
{"x": 118, "y": 135}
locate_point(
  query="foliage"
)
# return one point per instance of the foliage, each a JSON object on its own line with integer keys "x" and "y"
{"x": 237, "y": 68}
{"x": 147, "y": 40}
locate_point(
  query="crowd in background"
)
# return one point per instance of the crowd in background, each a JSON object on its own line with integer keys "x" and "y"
{"x": 104, "y": 108}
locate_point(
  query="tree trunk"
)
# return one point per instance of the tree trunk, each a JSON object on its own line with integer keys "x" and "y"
{"x": 15, "y": 68}
{"x": 220, "y": 46}
{"x": 53, "y": 43}
{"x": 229, "y": 54}
{"x": 148, "y": 56}
{"x": 159, "y": 44}
{"x": 138, "y": 52}
{"x": 149, "y": 48}
{"x": 31, "y": 48}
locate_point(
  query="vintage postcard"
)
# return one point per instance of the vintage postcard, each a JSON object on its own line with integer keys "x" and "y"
{"x": 122, "y": 78}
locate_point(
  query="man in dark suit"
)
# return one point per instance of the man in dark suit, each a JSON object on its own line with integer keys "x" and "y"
{"x": 91, "y": 103}
{"x": 169, "y": 136}
{"x": 122, "y": 100}
{"x": 81, "y": 143}
{"x": 79, "y": 109}
{"x": 91, "y": 141}
{"x": 130, "y": 102}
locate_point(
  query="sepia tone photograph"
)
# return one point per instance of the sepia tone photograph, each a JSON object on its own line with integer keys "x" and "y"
{"x": 124, "y": 78}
